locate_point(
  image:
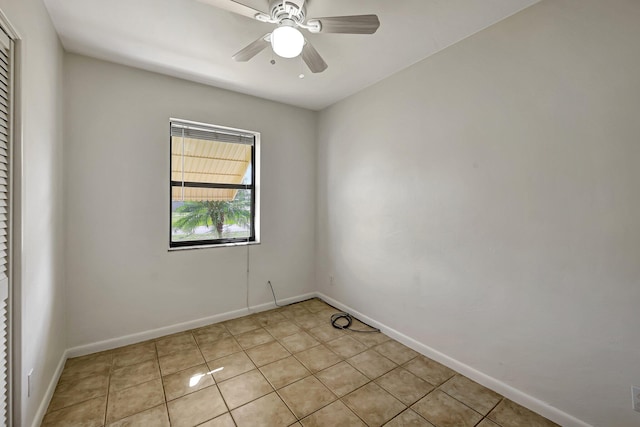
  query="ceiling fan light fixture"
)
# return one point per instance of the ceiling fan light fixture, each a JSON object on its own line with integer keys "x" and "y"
{"x": 287, "y": 41}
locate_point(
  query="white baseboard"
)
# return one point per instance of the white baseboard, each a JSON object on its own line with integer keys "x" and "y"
{"x": 180, "y": 327}
{"x": 42, "y": 409}
{"x": 536, "y": 405}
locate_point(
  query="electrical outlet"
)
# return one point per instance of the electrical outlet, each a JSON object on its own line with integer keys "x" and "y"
{"x": 635, "y": 391}
{"x": 29, "y": 375}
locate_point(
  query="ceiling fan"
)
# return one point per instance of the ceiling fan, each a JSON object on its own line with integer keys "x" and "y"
{"x": 286, "y": 39}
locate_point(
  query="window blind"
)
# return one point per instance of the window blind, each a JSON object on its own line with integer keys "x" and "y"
{"x": 5, "y": 138}
{"x": 209, "y": 133}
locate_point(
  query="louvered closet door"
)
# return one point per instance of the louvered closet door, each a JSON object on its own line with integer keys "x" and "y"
{"x": 5, "y": 137}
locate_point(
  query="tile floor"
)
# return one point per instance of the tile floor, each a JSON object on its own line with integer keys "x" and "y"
{"x": 284, "y": 367}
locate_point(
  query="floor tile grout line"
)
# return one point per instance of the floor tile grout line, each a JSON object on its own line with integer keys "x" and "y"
{"x": 106, "y": 401}
{"x": 164, "y": 392}
{"x": 62, "y": 380}
{"x": 491, "y": 410}
{"x": 356, "y": 414}
{"x": 408, "y": 409}
{"x": 482, "y": 417}
{"x": 146, "y": 409}
{"x": 253, "y": 400}
{"x": 352, "y": 391}
{"x": 171, "y": 353}
{"x": 48, "y": 411}
{"x": 215, "y": 384}
{"x": 286, "y": 385}
{"x": 106, "y": 395}
{"x": 397, "y": 397}
{"x": 327, "y": 385}
{"x": 139, "y": 412}
{"x": 287, "y": 404}
{"x": 318, "y": 409}
{"x": 128, "y": 387}
{"x": 460, "y": 401}
{"x": 154, "y": 379}
{"x": 267, "y": 331}
{"x": 226, "y": 405}
{"x": 166, "y": 404}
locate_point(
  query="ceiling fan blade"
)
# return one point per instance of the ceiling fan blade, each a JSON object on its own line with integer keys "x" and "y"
{"x": 253, "y": 49}
{"x": 356, "y": 24}
{"x": 312, "y": 58}
{"x": 235, "y": 7}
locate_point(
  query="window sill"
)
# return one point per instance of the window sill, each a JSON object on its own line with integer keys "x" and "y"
{"x": 220, "y": 245}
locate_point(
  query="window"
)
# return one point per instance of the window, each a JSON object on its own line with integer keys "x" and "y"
{"x": 213, "y": 185}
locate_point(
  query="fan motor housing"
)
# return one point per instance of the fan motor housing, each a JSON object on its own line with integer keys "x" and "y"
{"x": 288, "y": 9}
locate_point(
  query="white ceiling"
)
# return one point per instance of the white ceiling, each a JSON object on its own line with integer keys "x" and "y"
{"x": 194, "y": 41}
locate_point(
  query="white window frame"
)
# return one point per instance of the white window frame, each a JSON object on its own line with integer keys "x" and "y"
{"x": 256, "y": 188}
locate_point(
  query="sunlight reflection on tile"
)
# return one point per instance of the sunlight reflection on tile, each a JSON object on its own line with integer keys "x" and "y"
{"x": 194, "y": 380}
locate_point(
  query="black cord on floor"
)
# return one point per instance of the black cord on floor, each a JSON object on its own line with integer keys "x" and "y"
{"x": 347, "y": 326}
{"x": 335, "y": 318}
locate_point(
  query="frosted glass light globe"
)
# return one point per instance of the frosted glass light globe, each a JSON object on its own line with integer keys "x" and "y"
{"x": 287, "y": 41}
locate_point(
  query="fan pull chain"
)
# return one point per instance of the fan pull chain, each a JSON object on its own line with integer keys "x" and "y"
{"x": 301, "y": 75}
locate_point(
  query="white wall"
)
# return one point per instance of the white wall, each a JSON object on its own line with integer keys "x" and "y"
{"x": 120, "y": 277}
{"x": 485, "y": 202}
{"x": 41, "y": 302}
